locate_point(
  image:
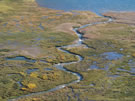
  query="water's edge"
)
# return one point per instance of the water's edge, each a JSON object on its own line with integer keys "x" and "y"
{"x": 96, "y": 6}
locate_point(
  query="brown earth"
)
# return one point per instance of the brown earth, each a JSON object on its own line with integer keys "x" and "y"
{"x": 122, "y": 17}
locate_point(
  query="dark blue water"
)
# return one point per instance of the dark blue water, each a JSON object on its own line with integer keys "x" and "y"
{"x": 97, "y": 6}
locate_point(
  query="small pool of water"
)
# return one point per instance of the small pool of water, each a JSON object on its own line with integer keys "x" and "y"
{"x": 21, "y": 58}
{"x": 112, "y": 55}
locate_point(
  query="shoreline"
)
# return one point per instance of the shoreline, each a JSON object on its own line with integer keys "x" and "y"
{"x": 99, "y": 13}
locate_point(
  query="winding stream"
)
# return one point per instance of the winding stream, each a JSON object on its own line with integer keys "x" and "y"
{"x": 60, "y": 66}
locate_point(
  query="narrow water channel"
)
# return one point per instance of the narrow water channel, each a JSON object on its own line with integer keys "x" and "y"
{"x": 60, "y": 66}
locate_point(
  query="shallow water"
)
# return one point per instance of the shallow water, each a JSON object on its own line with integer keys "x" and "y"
{"x": 112, "y": 55}
{"x": 95, "y": 66}
{"x": 97, "y": 6}
{"x": 20, "y": 58}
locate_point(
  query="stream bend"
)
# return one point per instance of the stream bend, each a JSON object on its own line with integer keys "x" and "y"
{"x": 60, "y": 66}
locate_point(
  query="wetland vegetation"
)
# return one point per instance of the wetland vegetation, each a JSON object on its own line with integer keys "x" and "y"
{"x": 36, "y": 41}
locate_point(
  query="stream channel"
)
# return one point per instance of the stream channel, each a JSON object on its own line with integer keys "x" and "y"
{"x": 60, "y": 66}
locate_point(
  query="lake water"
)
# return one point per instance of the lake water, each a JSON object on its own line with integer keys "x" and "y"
{"x": 97, "y": 6}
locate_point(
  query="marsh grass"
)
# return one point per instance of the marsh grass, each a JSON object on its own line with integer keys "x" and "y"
{"x": 23, "y": 19}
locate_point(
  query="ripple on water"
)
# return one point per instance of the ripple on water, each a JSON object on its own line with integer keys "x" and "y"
{"x": 112, "y": 55}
